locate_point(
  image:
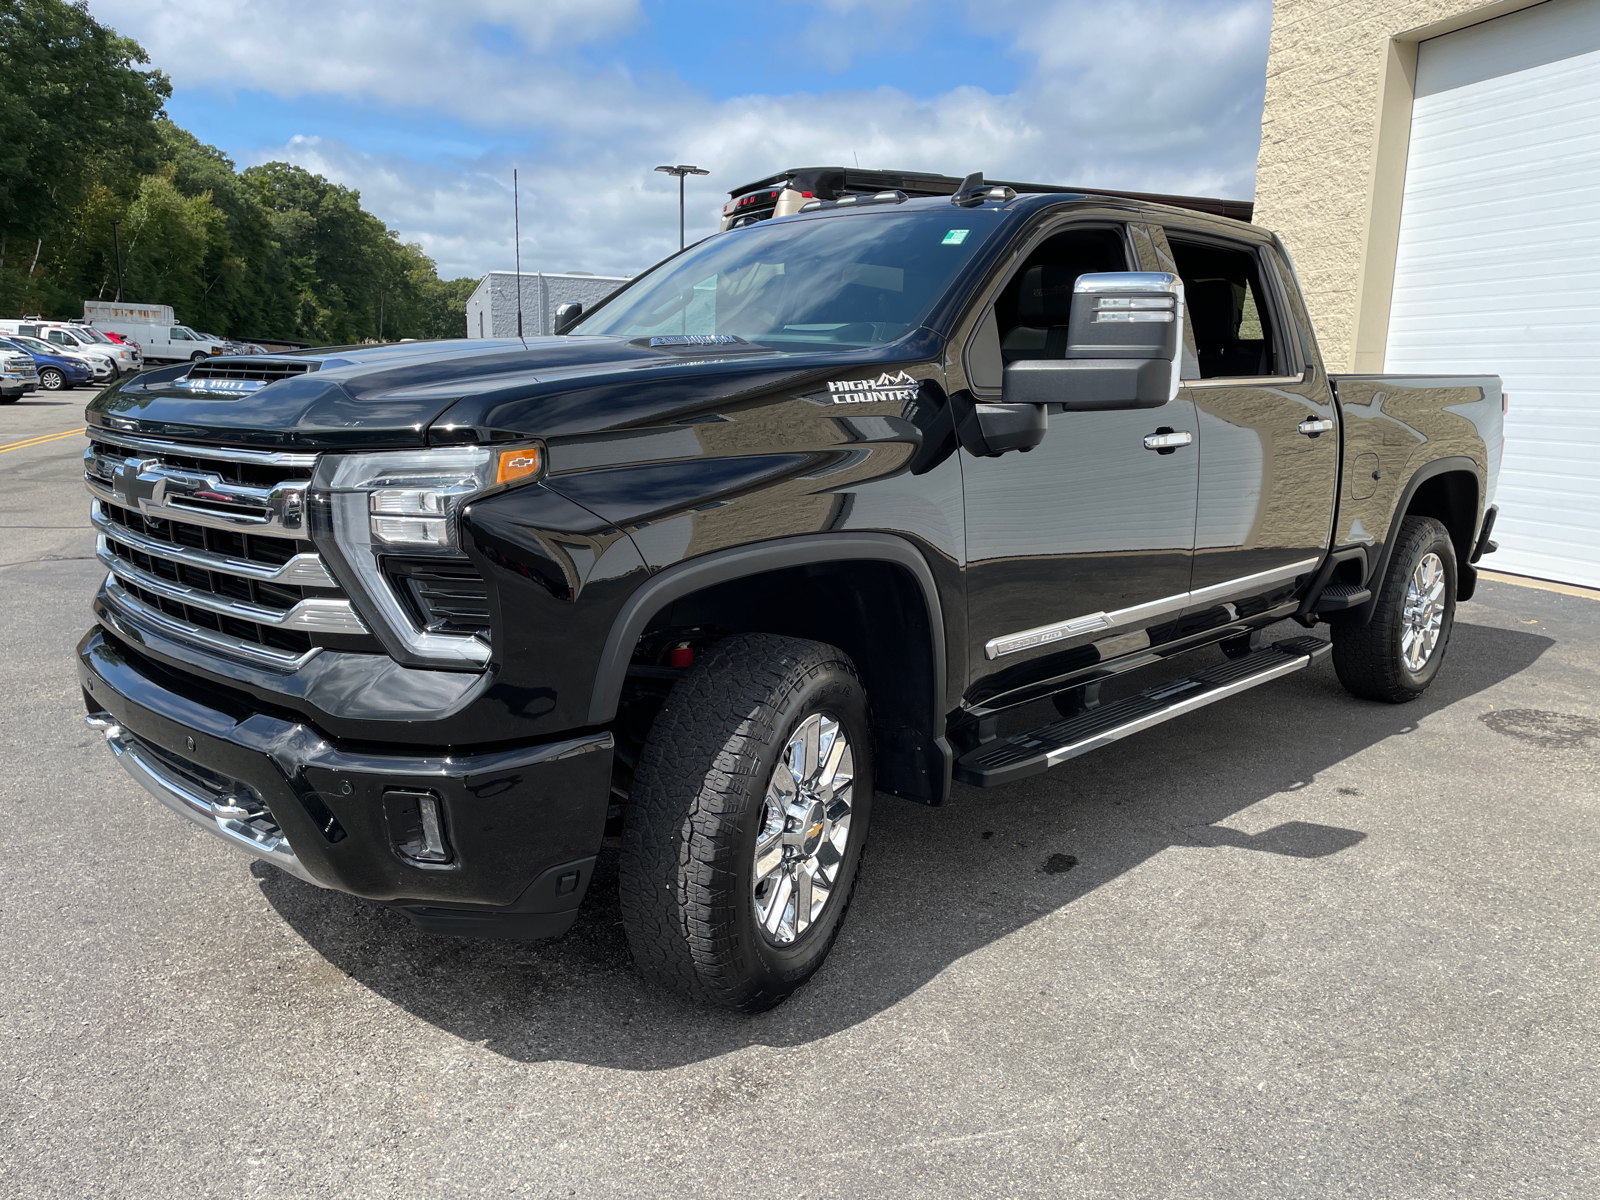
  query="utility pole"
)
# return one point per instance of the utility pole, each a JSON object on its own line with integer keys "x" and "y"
{"x": 679, "y": 172}
{"x": 117, "y": 245}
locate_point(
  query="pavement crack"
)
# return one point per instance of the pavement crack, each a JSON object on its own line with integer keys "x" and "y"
{"x": 22, "y": 562}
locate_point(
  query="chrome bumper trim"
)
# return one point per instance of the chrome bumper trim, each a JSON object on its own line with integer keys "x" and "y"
{"x": 182, "y": 799}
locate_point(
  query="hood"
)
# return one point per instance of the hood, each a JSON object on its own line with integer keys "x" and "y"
{"x": 421, "y": 393}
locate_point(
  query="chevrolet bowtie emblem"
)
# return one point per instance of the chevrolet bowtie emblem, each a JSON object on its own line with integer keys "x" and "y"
{"x": 131, "y": 485}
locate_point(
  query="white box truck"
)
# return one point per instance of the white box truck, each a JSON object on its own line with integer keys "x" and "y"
{"x": 155, "y": 328}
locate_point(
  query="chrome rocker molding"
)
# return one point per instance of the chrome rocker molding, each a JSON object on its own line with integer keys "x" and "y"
{"x": 1216, "y": 593}
{"x": 218, "y": 816}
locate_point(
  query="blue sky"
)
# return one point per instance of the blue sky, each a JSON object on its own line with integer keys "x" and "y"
{"x": 426, "y": 107}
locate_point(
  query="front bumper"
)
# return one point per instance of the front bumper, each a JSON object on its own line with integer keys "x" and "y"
{"x": 523, "y": 824}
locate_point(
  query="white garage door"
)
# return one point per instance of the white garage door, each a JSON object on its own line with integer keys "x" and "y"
{"x": 1499, "y": 262}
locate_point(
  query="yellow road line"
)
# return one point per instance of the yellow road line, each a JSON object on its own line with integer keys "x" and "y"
{"x": 39, "y": 441}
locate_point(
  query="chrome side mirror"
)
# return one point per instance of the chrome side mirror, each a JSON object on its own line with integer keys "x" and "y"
{"x": 567, "y": 315}
{"x": 1124, "y": 336}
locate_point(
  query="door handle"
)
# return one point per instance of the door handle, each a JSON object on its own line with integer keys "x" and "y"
{"x": 1165, "y": 441}
{"x": 1315, "y": 428}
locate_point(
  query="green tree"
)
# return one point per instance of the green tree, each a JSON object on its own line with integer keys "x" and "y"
{"x": 274, "y": 251}
{"x": 77, "y": 109}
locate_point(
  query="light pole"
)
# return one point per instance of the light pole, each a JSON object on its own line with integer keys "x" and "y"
{"x": 680, "y": 171}
{"x": 117, "y": 245}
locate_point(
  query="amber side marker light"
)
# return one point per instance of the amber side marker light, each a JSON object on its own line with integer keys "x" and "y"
{"x": 519, "y": 464}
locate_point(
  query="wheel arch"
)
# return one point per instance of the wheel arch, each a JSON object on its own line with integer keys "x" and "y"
{"x": 1449, "y": 490}
{"x": 896, "y": 640}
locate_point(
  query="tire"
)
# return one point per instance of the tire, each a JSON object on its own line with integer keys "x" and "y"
{"x": 51, "y": 379}
{"x": 1378, "y": 661}
{"x": 691, "y": 899}
{"x": 9, "y": 399}
{"x": 194, "y": 358}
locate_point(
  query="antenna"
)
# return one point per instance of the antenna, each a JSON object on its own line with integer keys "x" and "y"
{"x": 857, "y": 157}
{"x": 516, "y": 224}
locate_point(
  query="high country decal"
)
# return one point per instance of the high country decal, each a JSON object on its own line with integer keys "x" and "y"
{"x": 898, "y": 387}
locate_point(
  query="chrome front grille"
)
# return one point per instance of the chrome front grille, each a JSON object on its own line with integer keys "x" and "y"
{"x": 207, "y": 546}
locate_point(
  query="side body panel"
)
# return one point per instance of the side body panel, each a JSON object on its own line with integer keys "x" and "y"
{"x": 1395, "y": 428}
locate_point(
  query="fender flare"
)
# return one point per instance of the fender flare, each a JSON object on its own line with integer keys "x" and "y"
{"x": 1432, "y": 470}
{"x": 723, "y": 566}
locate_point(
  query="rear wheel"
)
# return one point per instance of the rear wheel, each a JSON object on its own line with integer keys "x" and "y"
{"x": 51, "y": 379}
{"x": 1395, "y": 656}
{"x": 749, "y": 812}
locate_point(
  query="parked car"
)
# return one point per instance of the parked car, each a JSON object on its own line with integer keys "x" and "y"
{"x": 18, "y": 375}
{"x": 80, "y": 340}
{"x": 167, "y": 343}
{"x": 56, "y": 368}
{"x": 787, "y": 523}
{"x": 126, "y": 357}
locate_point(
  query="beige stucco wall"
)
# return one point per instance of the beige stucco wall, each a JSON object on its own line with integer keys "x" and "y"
{"x": 1333, "y": 146}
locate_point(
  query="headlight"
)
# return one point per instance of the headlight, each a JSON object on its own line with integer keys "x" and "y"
{"x": 409, "y": 503}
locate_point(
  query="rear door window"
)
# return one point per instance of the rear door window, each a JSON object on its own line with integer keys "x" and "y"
{"x": 1229, "y": 314}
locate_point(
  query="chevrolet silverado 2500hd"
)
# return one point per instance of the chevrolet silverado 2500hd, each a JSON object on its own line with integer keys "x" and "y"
{"x": 788, "y": 521}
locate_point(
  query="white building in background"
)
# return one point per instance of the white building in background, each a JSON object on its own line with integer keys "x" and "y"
{"x": 492, "y": 308}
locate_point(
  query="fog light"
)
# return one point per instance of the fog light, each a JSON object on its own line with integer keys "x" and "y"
{"x": 416, "y": 827}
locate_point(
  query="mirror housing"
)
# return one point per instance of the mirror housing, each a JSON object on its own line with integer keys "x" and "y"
{"x": 1123, "y": 341}
{"x": 1002, "y": 427}
{"x": 567, "y": 314}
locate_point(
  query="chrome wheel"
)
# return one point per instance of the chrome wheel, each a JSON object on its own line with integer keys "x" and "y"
{"x": 805, "y": 827}
{"x": 1423, "y": 616}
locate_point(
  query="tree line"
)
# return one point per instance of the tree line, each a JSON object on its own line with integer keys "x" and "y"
{"x": 268, "y": 252}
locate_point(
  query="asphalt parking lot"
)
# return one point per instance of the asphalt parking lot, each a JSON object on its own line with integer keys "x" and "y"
{"x": 1293, "y": 945}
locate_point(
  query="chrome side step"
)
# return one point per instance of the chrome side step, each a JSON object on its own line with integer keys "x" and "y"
{"x": 1036, "y": 751}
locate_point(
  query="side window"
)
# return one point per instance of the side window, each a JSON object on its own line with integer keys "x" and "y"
{"x": 59, "y": 338}
{"x": 1228, "y": 312}
{"x": 176, "y": 334}
{"x": 1030, "y": 314}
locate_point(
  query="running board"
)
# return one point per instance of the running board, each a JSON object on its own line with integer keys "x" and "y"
{"x": 1034, "y": 752}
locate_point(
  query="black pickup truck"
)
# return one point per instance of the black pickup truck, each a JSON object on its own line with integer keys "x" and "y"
{"x": 793, "y": 519}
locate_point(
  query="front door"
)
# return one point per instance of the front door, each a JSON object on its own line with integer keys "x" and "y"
{"x": 1078, "y": 546}
{"x": 1269, "y": 438}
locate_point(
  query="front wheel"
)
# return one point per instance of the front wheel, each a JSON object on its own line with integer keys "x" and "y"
{"x": 749, "y": 812}
{"x": 51, "y": 379}
{"x": 1395, "y": 656}
{"x": 198, "y": 357}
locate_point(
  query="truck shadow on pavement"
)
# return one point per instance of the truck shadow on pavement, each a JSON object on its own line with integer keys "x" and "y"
{"x": 1005, "y": 859}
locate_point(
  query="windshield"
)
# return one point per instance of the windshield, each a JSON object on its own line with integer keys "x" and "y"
{"x": 838, "y": 281}
{"x": 37, "y": 346}
{"x": 94, "y": 335}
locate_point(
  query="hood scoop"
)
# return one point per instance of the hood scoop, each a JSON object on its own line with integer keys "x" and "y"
{"x": 699, "y": 344}
{"x": 222, "y": 376}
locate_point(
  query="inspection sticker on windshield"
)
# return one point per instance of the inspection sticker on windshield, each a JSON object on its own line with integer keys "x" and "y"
{"x": 955, "y": 237}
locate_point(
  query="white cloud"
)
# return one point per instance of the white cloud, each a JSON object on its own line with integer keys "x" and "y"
{"x": 1156, "y": 95}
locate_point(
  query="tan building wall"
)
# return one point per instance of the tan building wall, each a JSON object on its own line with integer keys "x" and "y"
{"x": 1340, "y": 75}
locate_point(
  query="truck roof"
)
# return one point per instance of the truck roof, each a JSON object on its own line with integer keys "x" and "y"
{"x": 827, "y": 183}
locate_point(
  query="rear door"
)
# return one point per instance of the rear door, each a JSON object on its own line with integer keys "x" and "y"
{"x": 1269, "y": 436}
